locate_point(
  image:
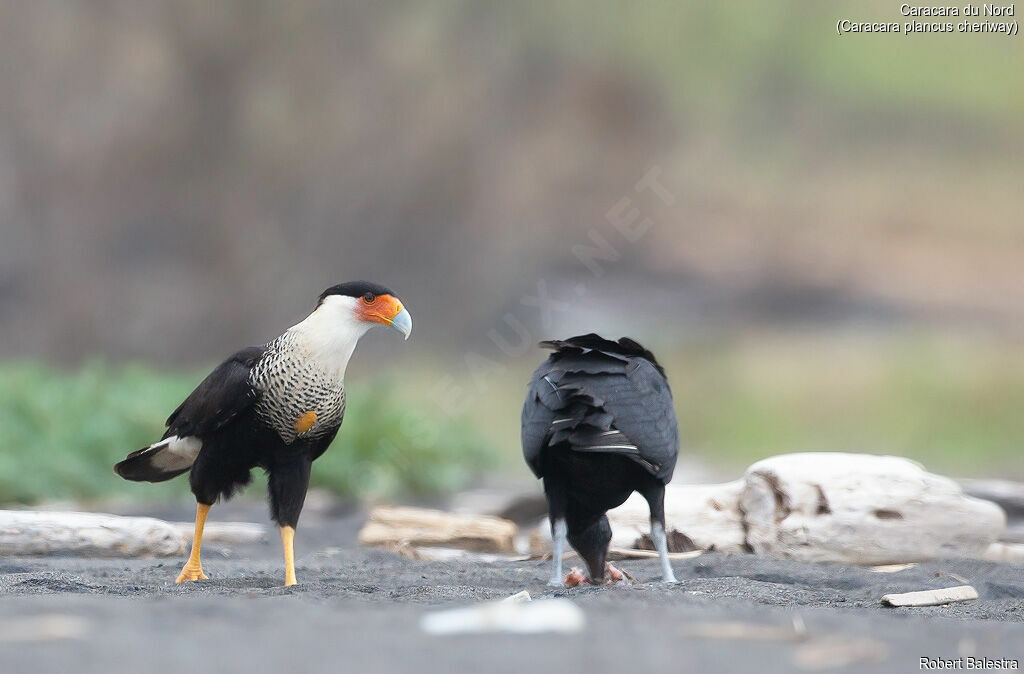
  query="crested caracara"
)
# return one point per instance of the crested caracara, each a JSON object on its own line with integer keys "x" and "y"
{"x": 277, "y": 407}
{"x": 598, "y": 424}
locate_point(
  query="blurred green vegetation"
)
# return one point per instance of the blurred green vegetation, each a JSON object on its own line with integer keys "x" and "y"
{"x": 953, "y": 404}
{"x": 61, "y": 433}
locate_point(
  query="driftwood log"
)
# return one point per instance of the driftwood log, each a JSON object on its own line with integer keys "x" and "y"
{"x": 24, "y": 532}
{"x": 393, "y": 527}
{"x": 708, "y": 515}
{"x": 1006, "y": 494}
{"x": 1005, "y": 552}
{"x": 226, "y": 533}
{"x": 862, "y": 509}
{"x": 826, "y": 507}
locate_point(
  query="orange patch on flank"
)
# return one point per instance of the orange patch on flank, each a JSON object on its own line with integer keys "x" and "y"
{"x": 305, "y": 422}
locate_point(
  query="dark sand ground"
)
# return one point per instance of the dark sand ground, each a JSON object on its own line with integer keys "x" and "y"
{"x": 358, "y": 610}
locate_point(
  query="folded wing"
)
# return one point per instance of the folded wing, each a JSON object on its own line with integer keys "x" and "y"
{"x": 601, "y": 396}
{"x": 215, "y": 403}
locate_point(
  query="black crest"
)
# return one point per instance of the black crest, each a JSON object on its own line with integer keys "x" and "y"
{"x": 354, "y": 289}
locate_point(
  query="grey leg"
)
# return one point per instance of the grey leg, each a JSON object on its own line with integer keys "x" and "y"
{"x": 558, "y": 534}
{"x": 661, "y": 543}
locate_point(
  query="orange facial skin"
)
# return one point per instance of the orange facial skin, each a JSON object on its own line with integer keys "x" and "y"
{"x": 382, "y": 309}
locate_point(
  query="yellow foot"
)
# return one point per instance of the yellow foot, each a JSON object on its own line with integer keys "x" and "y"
{"x": 288, "y": 582}
{"x": 190, "y": 573}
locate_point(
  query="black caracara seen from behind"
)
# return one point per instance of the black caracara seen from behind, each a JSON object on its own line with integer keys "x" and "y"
{"x": 598, "y": 424}
{"x": 276, "y": 407}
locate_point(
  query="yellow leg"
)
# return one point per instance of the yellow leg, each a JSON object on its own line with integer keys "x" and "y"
{"x": 287, "y": 540}
{"x": 193, "y": 569}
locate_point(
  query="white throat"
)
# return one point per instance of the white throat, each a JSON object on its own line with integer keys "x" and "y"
{"x": 329, "y": 335}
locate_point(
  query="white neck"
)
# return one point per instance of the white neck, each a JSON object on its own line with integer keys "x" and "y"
{"x": 329, "y": 335}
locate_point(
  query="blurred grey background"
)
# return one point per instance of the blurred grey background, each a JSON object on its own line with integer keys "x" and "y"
{"x": 178, "y": 179}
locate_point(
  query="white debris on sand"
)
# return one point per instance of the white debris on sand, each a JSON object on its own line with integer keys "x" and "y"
{"x": 948, "y": 595}
{"x": 519, "y": 596}
{"x": 48, "y": 627}
{"x": 513, "y": 617}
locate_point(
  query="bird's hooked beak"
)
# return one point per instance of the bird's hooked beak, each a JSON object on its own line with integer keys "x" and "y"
{"x": 388, "y": 309}
{"x": 402, "y": 321}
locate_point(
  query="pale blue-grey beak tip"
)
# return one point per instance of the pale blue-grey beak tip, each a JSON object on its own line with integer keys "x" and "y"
{"x": 403, "y": 323}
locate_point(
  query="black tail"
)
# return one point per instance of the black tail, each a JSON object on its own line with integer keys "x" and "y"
{"x": 155, "y": 463}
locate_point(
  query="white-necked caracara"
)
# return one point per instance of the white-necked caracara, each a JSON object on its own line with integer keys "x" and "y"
{"x": 598, "y": 424}
{"x": 277, "y": 407}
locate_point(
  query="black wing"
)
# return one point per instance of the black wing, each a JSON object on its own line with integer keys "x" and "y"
{"x": 219, "y": 398}
{"x": 602, "y": 396}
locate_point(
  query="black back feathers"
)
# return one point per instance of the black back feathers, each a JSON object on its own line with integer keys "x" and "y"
{"x": 596, "y": 395}
{"x": 219, "y": 399}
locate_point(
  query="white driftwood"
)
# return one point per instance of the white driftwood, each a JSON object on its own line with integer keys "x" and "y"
{"x": 862, "y": 509}
{"x": 1014, "y": 532}
{"x": 893, "y": 568}
{"x": 932, "y": 597}
{"x": 708, "y": 514}
{"x": 228, "y": 533}
{"x": 24, "y": 532}
{"x": 616, "y": 554}
{"x": 1006, "y": 494}
{"x": 391, "y": 527}
{"x": 435, "y": 554}
{"x": 1005, "y": 552}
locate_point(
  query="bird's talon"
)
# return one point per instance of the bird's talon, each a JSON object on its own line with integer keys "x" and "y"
{"x": 189, "y": 574}
{"x": 575, "y": 578}
{"x": 614, "y": 575}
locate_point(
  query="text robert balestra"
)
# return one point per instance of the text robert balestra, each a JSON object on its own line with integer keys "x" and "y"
{"x": 969, "y": 663}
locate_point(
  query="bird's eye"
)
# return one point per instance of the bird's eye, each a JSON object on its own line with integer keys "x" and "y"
{"x": 369, "y": 298}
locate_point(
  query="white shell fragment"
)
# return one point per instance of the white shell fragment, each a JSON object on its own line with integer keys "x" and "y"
{"x": 932, "y": 597}
{"x": 519, "y": 597}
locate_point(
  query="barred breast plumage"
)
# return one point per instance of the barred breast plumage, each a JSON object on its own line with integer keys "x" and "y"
{"x": 291, "y": 385}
